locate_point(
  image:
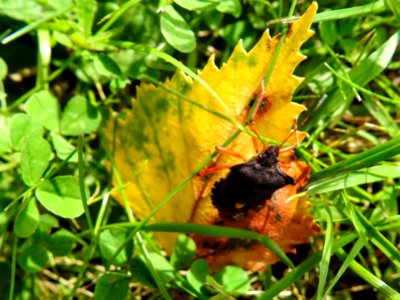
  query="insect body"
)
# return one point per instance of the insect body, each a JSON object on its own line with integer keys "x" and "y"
{"x": 248, "y": 185}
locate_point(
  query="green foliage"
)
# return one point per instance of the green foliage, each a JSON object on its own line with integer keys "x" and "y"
{"x": 23, "y": 126}
{"x": 197, "y": 276}
{"x": 109, "y": 241}
{"x": 79, "y": 117}
{"x": 162, "y": 267}
{"x": 233, "y": 279}
{"x": 197, "y": 5}
{"x": 176, "y": 31}
{"x": 35, "y": 156}
{"x": 43, "y": 107}
{"x": 33, "y": 258}
{"x": 27, "y": 219}
{"x": 65, "y": 66}
{"x": 61, "y": 196}
{"x": 111, "y": 286}
{"x": 141, "y": 272}
{"x": 61, "y": 242}
{"x": 63, "y": 148}
{"x": 183, "y": 253}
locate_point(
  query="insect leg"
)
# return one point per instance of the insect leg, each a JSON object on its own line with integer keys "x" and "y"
{"x": 251, "y": 123}
{"x": 223, "y": 167}
{"x": 291, "y": 147}
{"x": 230, "y": 152}
{"x": 260, "y": 98}
{"x": 214, "y": 169}
{"x": 255, "y": 140}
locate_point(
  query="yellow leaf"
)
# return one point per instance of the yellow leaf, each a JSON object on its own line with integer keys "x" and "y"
{"x": 163, "y": 139}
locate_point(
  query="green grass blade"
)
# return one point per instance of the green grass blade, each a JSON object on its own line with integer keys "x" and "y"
{"x": 82, "y": 186}
{"x": 13, "y": 267}
{"x": 380, "y": 240}
{"x": 297, "y": 273}
{"x": 88, "y": 253}
{"x": 370, "y": 278}
{"x": 388, "y": 86}
{"x": 213, "y": 231}
{"x": 360, "y": 88}
{"x": 34, "y": 25}
{"x": 44, "y": 58}
{"x": 157, "y": 277}
{"x": 381, "y": 114}
{"x": 100, "y": 216}
{"x": 360, "y": 161}
{"x": 350, "y": 211}
{"x": 367, "y": 175}
{"x": 117, "y": 14}
{"x": 351, "y": 12}
{"x": 346, "y": 263}
{"x": 395, "y": 8}
{"x": 326, "y": 256}
{"x": 339, "y": 100}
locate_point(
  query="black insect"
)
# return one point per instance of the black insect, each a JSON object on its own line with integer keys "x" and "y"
{"x": 248, "y": 185}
